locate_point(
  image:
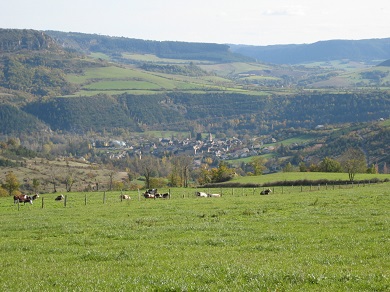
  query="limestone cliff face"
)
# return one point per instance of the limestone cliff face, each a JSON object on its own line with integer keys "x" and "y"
{"x": 13, "y": 40}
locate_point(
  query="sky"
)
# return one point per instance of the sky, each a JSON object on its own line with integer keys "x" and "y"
{"x": 249, "y": 22}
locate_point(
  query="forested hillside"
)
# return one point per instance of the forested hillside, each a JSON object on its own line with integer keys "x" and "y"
{"x": 15, "y": 121}
{"x": 357, "y": 50}
{"x": 213, "y": 111}
{"x": 114, "y": 46}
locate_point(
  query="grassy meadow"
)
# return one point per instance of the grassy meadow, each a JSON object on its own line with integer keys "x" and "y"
{"x": 117, "y": 80}
{"x": 323, "y": 239}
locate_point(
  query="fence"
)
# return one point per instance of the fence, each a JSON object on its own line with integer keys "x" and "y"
{"x": 113, "y": 197}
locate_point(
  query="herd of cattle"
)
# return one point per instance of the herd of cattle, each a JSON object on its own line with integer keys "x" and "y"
{"x": 153, "y": 194}
{"x": 149, "y": 194}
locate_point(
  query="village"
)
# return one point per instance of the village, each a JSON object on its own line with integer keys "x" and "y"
{"x": 221, "y": 148}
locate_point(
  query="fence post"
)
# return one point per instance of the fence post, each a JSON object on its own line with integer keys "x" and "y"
{"x": 104, "y": 197}
{"x": 18, "y": 205}
{"x": 42, "y": 202}
{"x": 66, "y": 198}
{"x": 85, "y": 199}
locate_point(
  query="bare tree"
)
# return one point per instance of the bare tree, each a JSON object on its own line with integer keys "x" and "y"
{"x": 180, "y": 169}
{"x": 148, "y": 168}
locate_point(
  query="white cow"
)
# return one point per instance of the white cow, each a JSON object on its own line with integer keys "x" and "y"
{"x": 201, "y": 194}
{"x": 124, "y": 197}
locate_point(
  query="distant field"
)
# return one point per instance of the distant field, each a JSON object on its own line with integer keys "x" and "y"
{"x": 116, "y": 80}
{"x": 314, "y": 176}
{"x": 155, "y": 59}
{"x": 319, "y": 240}
{"x": 233, "y": 68}
{"x": 121, "y": 85}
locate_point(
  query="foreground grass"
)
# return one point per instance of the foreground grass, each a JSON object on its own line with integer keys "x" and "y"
{"x": 298, "y": 240}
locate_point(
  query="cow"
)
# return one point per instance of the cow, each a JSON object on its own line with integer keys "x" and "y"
{"x": 214, "y": 195}
{"x": 23, "y": 199}
{"x": 36, "y": 196}
{"x": 150, "y": 194}
{"x": 165, "y": 196}
{"x": 60, "y": 197}
{"x": 201, "y": 194}
{"x": 265, "y": 192}
{"x": 124, "y": 197}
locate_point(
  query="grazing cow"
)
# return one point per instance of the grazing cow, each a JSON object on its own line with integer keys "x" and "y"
{"x": 165, "y": 196}
{"x": 265, "y": 192}
{"x": 201, "y": 194}
{"x": 60, "y": 198}
{"x": 214, "y": 195}
{"x": 23, "y": 199}
{"x": 124, "y": 197}
{"x": 36, "y": 196}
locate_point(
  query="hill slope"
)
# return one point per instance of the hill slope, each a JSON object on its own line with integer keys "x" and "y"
{"x": 114, "y": 46}
{"x": 359, "y": 50}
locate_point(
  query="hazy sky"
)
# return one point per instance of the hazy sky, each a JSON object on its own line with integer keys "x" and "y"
{"x": 254, "y": 22}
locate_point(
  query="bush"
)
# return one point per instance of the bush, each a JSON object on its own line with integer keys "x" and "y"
{"x": 3, "y": 192}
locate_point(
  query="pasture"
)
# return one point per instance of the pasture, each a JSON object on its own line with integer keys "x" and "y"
{"x": 327, "y": 239}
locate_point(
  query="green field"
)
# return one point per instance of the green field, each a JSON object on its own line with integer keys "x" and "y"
{"x": 325, "y": 239}
{"x": 310, "y": 176}
{"x": 117, "y": 80}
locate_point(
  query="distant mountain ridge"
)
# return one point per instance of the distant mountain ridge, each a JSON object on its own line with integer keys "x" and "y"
{"x": 369, "y": 50}
{"x": 114, "y": 46}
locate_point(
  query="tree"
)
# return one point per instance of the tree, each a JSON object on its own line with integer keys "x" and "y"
{"x": 180, "y": 170}
{"x": 147, "y": 169}
{"x": 69, "y": 181}
{"x": 258, "y": 164}
{"x": 11, "y": 183}
{"x": 36, "y": 183}
{"x": 329, "y": 165}
{"x": 372, "y": 169}
{"x": 353, "y": 161}
{"x": 302, "y": 167}
{"x": 111, "y": 180}
{"x": 288, "y": 167}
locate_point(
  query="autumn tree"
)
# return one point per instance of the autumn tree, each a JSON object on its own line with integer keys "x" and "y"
{"x": 258, "y": 164}
{"x": 11, "y": 183}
